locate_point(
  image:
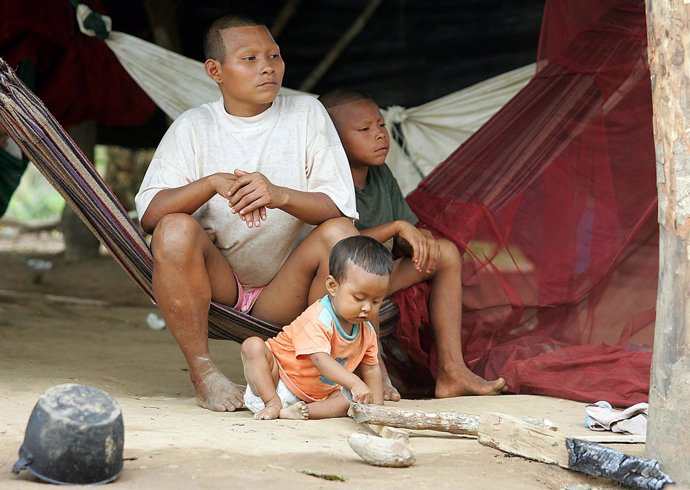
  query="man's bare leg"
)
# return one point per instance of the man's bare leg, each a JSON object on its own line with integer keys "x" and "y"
{"x": 445, "y": 314}
{"x": 188, "y": 272}
{"x": 302, "y": 279}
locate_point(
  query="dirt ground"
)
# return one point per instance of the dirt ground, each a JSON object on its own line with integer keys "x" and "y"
{"x": 86, "y": 323}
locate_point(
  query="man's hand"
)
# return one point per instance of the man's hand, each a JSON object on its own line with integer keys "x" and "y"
{"x": 361, "y": 393}
{"x": 426, "y": 251}
{"x": 224, "y": 183}
{"x": 251, "y": 194}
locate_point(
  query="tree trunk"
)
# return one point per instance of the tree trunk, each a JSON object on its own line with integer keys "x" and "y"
{"x": 668, "y": 433}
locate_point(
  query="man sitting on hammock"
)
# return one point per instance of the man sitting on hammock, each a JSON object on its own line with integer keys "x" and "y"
{"x": 384, "y": 215}
{"x": 232, "y": 196}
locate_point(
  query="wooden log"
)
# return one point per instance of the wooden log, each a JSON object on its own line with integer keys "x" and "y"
{"x": 512, "y": 435}
{"x": 451, "y": 422}
{"x": 50, "y": 298}
{"x": 515, "y": 436}
{"x": 387, "y": 432}
{"x": 668, "y": 433}
{"x": 609, "y": 438}
{"x": 378, "y": 451}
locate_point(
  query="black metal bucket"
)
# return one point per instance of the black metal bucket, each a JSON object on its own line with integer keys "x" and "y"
{"x": 75, "y": 435}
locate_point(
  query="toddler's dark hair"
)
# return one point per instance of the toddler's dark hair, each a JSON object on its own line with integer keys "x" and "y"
{"x": 364, "y": 252}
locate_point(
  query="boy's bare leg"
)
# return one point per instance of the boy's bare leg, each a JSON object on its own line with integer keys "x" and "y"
{"x": 302, "y": 279}
{"x": 390, "y": 392}
{"x": 261, "y": 373}
{"x": 445, "y": 314}
{"x": 334, "y": 406}
{"x": 188, "y": 272}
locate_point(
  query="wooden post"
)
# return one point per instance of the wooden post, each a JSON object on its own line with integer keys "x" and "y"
{"x": 354, "y": 30}
{"x": 284, "y": 17}
{"x": 668, "y": 432}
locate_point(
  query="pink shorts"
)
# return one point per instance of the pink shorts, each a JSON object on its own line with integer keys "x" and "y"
{"x": 246, "y": 297}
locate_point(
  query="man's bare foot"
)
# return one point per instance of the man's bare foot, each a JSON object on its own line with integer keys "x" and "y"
{"x": 298, "y": 411}
{"x": 216, "y": 392}
{"x": 465, "y": 382}
{"x": 270, "y": 411}
{"x": 390, "y": 392}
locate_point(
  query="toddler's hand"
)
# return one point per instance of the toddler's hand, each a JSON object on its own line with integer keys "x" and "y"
{"x": 361, "y": 393}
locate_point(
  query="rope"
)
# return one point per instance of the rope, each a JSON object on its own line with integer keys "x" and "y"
{"x": 92, "y": 23}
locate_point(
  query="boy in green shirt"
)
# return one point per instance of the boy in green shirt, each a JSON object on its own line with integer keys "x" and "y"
{"x": 385, "y": 216}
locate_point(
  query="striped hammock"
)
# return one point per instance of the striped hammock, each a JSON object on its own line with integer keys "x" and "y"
{"x": 57, "y": 157}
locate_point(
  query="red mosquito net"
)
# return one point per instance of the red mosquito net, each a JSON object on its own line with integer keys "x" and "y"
{"x": 555, "y": 201}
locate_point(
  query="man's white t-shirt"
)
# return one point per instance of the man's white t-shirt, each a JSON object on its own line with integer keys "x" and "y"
{"x": 293, "y": 143}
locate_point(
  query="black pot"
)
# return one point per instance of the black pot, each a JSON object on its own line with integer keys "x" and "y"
{"x": 75, "y": 435}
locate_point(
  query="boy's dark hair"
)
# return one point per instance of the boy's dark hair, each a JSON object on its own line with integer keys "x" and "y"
{"x": 364, "y": 252}
{"x": 340, "y": 96}
{"x": 214, "y": 47}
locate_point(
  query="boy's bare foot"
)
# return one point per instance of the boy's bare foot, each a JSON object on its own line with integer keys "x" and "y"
{"x": 465, "y": 382}
{"x": 298, "y": 411}
{"x": 390, "y": 392}
{"x": 216, "y": 392}
{"x": 270, "y": 411}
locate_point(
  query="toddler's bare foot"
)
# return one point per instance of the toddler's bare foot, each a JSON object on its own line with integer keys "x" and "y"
{"x": 216, "y": 392}
{"x": 270, "y": 411}
{"x": 465, "y": 382}
{"x": 390, "y": 392}
{"x": 298, "y": 411}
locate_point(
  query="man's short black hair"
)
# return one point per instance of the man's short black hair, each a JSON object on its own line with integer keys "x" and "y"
{"x": 340, "y": 96}
{"x": 214, "y": 48}
{"x": 364, "y": 252}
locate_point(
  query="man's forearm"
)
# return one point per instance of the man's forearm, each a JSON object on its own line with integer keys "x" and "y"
{"x": 311, "y": 207}
{"x": 186, "y": 199}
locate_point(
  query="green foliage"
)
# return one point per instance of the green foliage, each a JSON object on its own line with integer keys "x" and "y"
{"x": 35, "y": 201}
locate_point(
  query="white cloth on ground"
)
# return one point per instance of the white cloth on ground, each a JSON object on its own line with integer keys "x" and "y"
{"x": 632, "y": 420}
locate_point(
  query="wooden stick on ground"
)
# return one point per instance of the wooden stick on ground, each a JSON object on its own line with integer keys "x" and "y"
{"x": 451, "y": 422}
{"x": 515, "y": 436}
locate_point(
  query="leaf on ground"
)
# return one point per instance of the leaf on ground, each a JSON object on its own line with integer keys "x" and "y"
{"x": 323, "y": 476}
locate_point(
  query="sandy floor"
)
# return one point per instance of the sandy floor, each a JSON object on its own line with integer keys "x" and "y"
{"x": 86, "y": 323}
